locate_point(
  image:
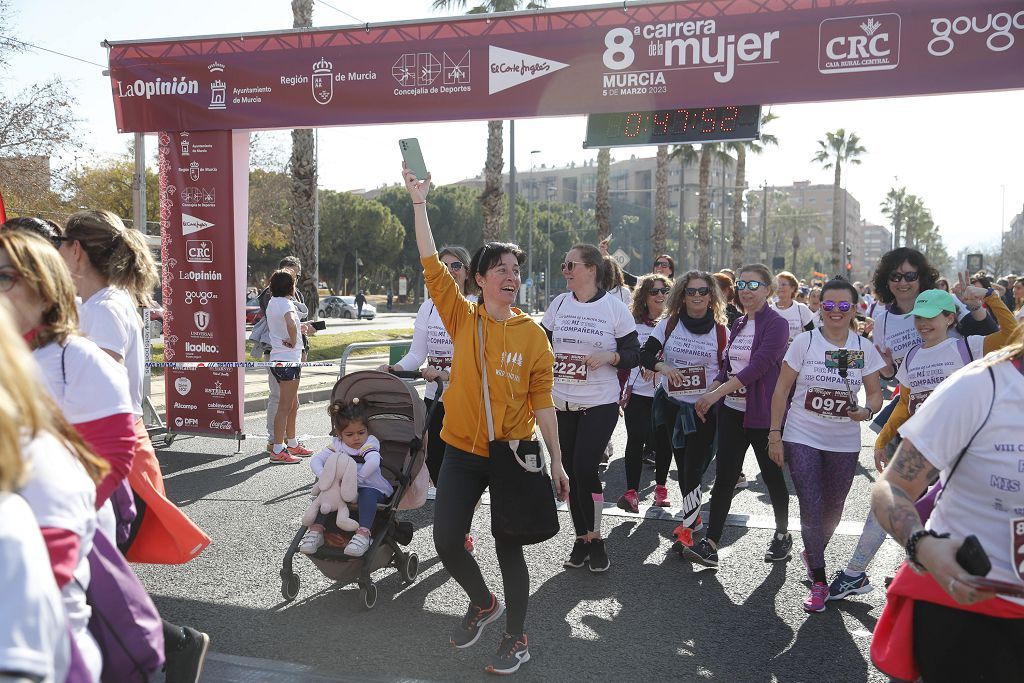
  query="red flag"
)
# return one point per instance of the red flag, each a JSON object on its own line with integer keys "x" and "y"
{"x": 3, "y": 213}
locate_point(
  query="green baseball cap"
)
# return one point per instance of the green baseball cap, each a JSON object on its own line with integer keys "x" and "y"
{"x": 933, "y": 302}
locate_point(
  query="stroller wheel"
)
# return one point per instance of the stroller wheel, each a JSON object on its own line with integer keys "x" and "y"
{"x": 289, "y": 586}
{"x": 410, "y": 567}
{"x": 368, "y": 595}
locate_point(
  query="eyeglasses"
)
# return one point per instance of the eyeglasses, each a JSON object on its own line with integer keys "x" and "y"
{"x": 829, "y": 306}
{"x": 752, "y": 285}
{"x": 897, "y": 276}
{"x": 662, "y": 264}
{"x": 8, "y": 278}
{"x": 455, "y": 266}
{"x": 660, "y": 290}
{"x": 568, "y": 266}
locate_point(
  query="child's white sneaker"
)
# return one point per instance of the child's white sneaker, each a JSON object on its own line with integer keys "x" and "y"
{"x": 358, "y": 545}
{"x": 311, "y": 542}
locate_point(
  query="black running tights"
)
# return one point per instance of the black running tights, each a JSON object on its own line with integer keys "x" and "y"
{"x": 955, "y": 645}
{"x": 582, "y": 435}
{"x": 689, "y": 460}
{"x": 435, "y": 446}
{"x": 638, "y": 437}
{"x": 462, "y": 481}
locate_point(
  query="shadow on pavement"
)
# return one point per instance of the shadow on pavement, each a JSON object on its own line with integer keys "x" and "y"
{"x": 198, "y": 484}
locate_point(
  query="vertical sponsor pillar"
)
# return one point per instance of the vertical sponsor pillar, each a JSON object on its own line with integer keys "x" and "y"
{"x": 204, "y": 185}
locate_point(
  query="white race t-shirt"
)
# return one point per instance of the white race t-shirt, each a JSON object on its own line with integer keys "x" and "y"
{"x": 430, "y": 344}
{"x": 623, "y": 294}
{"x": 579, "y": 330}
{"x": 109, "y": 319}
{"x": 86, "y": 383}
{"x": 984, "y": 497}
{"x": 896, "y": 331}
{"x": 797, "y": 316}
{"x": 639, "y": 385}
{"x": 62, "y": 496}
{"x": 923, "y": 370}
{"x": 696, "y": 355}
{"x": 739, "y": 358}
{"x": 817, "y": 414}
{"x": 33, "y": 637}
{"x": 277, "y": 308}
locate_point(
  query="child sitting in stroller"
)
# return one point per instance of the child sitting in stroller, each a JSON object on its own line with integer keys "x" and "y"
{"x": 354, "y": 439}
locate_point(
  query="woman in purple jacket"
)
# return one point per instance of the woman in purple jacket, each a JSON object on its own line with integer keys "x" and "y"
{"x": 750, "y": 370}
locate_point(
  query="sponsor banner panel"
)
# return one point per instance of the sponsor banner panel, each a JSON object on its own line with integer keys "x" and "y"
{"x": 563, "y": 62}
{"x": 201, "y": 294}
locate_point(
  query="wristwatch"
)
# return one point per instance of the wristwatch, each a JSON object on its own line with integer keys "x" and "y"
{"x": 911, "y": 547}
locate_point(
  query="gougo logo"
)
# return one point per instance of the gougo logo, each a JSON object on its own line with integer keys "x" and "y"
{"x": 1000, "y": 25}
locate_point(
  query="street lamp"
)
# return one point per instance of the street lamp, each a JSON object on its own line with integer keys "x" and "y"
{"x": 529, "y": 239}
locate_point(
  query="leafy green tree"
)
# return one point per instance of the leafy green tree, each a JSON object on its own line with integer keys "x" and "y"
{"x": 108, "y": 185}
{"x": 352, "y": 226}
{"x": 685, "y": 155}
{"x": 836, "y": 149}
{"x": 741, "y": 149}
{"x": 894, "y": 207}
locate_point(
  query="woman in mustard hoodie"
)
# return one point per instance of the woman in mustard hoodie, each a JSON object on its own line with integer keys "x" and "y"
{"x": 519, "y": 361}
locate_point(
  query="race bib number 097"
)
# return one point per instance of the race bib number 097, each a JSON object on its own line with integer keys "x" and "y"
{"x": 693, "y": 381}
{"x": 570, "y": 368}
{"x": 830, "y": 404}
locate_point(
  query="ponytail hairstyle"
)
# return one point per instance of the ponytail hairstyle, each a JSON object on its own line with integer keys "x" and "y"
{"x": 120, "y": 255}
{"x": 612, "y": 275}
{"x": 592, "y": 256}
{"x": 26, "y": 410}
{"x": 44, "y": 273}
{"x": 344, "y": 413}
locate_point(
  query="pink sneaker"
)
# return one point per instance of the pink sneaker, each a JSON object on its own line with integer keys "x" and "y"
{"x": 283, "y": 458}
{"x": 300, "y": 450}
{"x": 815, "y": 602}
{"x": 629, "y": 501}
{"x": 661, "y": 496}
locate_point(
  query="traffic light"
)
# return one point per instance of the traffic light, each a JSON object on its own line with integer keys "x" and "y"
{"x": 849, "y": 259}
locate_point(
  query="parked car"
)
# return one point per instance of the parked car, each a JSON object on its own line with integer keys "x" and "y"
{"x": 253, "y": 312}
{"x": 156, "y": 322}
{"x": 343, "y": 307}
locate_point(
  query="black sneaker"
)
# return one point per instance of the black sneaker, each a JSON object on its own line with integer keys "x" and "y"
{"x": 511, "y": 654}
{"x": 185, "y": 664}
{"x": 599, "y": 561}
{"x": 473, "y": 623}
{"x": 580, "y": 553}
{"x": 701, "y": 553}
{"x": 779, "y": 548}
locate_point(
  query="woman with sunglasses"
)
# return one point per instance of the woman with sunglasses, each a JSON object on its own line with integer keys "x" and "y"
{"x": 799, "y": 317}
{"x": 637, "y": 396}
{"x": 746, "y": 381}
{"x": 593, "y": 335}
{"x": 823, "y": 372}
{"x": 686, "y": 349}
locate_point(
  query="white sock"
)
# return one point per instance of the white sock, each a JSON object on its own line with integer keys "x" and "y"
{"x": 293, "y": 442}
{"x": 278, "y": 448}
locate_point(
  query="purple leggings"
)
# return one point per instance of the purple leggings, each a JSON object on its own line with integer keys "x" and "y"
{"x": 822, "y": 480}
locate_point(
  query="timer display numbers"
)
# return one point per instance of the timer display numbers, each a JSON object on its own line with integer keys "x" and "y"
{"x": 673, "y": 126}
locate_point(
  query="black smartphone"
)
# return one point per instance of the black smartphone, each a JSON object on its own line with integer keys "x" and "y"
{"x": 318, "y": 324}
{"x": 973, "y": 558}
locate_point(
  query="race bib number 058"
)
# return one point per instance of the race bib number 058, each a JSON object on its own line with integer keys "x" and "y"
{"x": 830, "y": 404}
{"x": 693, "y": 381}
{"x": 570, "y": 368}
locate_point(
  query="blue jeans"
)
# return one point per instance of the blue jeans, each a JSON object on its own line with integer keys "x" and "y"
{"x": 368, "y": 501}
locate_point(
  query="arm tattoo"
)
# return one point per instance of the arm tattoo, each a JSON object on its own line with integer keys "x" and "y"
{"x": 902, "y": 516}
{"x": 909, "y": 463}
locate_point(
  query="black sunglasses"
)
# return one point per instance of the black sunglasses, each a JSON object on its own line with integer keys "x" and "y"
{"x": 897, "y": 276}
{"x": 455, "y": 265}
{"x": 698, "y": 291}
{"x": 662, "y": 264}
{"x": 660, "y": 290}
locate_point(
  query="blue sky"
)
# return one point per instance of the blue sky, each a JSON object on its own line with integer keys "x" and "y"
{"x": 926, "y": 141}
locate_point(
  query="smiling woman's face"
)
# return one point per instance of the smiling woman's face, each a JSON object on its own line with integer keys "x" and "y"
{"x": 502, "y": 281}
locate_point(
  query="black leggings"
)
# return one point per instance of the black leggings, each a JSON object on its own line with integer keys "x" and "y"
{"x": 638, "y": 437}
{"x": 583, "y": 435}
{"x": 955, "y": 645}
{"x": 689, "y": 460}
{"x": 462, "y": 481}
{"x": 435, "y": 446}
{"x": 733, "y": 441}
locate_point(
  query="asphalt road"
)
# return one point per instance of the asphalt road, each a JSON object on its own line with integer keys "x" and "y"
{"x": 651, "y": 616}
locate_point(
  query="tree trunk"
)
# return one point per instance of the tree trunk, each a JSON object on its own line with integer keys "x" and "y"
{"x": 303, "y": 191}
{"x": 796, "y": 245}
{"x": 490, "y": 199}
{"x": 737, "y": 207}
{"x": 837, "y": 209}
{"x": 602, "y": 207}
{"x": 682, "y": 257}
{"x": 703, "y": 238}
{"x": 660, "y": 202}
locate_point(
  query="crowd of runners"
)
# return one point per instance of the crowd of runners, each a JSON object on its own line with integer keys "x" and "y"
{"x": 701, "y": 366}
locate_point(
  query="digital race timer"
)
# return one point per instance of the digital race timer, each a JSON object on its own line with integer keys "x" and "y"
{"x": 673, "y": 126}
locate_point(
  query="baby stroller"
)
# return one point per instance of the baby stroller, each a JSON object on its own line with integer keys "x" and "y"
{"x": 398, "y": 418}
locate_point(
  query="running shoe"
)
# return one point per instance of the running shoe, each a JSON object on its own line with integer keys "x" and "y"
{"x": 468, "y": 632}
{"x": 311, "y": 542}
{"x": 185, "y": 664}
{"x": 283, "y": 458}
{"x": 599, "y": 561}
{"x": 779, "y": 548}
{"x": 701, "y": 553}
{"x": 629, "y": 501}
{"x": 300, "y": 451}
{"x": 684, "y": 534}
{"x": 358, "y": 546}
{"x": 742, "y": 482}
{"x": 815, "y": 602}
{"x": 844, "y": 584}
{"x": 469, "y": 545}
{"x": 512, "y": 653}
{"x": 580, "y": 553}
{"x": 661, "y": 497}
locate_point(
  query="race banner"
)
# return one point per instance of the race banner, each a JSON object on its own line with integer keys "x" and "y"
{"x": 204, "y": 235}
{"x": 609, "y": 58}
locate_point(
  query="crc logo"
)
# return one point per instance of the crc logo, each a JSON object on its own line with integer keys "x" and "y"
{"x": 199, "y": 251}
{"x": 201, "y": 319}
{"x": 202, "y": 297}
{"x": 183, "y": 385}
{"x": 186, "y": 422}
{"x": 867, "y": 43}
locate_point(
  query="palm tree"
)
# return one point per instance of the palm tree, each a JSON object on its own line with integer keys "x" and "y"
{"x": 833, "y": 151}
{"x": 917, "y": 220}
{"x": 707, "y": 150}
{"x": 794, "y": 221}
{"x": 490, "y": 198}
{"x": 895, "y": 208}
{"x": 660, "y": 201}
{"x": 686, "y": 154}
{"x": 741, "y": 148}
{"x": 303, "y": 190}
{"x": 602, "y": 207}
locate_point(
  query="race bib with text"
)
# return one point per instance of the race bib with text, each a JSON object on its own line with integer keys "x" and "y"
{"x": 570, "y": 368}
{"x": 694, "y": 381}
{"x": 830, "y": 404}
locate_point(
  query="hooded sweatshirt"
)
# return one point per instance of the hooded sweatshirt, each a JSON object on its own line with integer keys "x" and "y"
{"x": 517, "y": 358}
